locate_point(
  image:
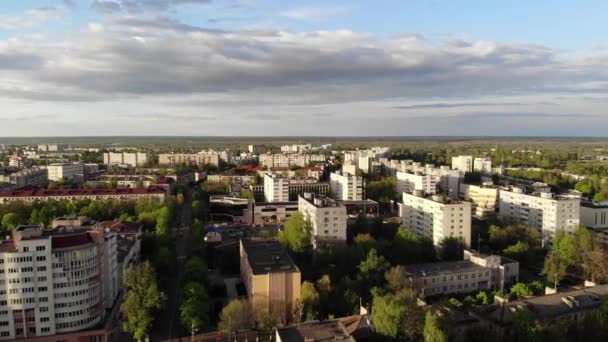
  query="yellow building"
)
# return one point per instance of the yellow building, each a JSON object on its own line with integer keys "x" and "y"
{"x": 484, "y": 198}
{"x": 271, "y": 278}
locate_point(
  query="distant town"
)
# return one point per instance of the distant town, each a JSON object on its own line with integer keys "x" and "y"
{"x": 472, "y": 240}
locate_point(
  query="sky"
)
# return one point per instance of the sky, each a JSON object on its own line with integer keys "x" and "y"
{"x": 303, "y": 68}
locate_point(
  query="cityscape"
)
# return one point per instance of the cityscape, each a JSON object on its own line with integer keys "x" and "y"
{"x": 306, "y": 171}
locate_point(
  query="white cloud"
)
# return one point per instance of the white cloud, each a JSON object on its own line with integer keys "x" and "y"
{"x": 33, "y": 17}
{"x": 313, "y": 13}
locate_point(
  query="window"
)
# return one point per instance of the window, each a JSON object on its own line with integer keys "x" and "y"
{"x": 40, "y": 248}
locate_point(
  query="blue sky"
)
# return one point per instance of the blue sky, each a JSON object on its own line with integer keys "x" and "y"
{"x": 467, "y": 67}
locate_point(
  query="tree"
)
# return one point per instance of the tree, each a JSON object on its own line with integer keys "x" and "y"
{"x": 395, "y": 280}
{"x": 248, "y": 194}
{"x": 523, "y": 326}
{"x": 325, "y": 290}
{"x": 432, "y": 330}
{"x": 10, "y": 221}
{"x": 520, "y": 290}
{"x": 196, "y": 270}
{"x": 371, "y": 272}
{"x": 236, "y": 315}
{"x": 309, "y": 300}
{"x": 194, "y": 311}
{"x": 562, "y": 256}
{"x": 405, "y": 247}
{"x": 397, "y": 315}
{"x": 297, "y": 233}
{"x": 451, "y": 249}
{"x": 142, "y": 299}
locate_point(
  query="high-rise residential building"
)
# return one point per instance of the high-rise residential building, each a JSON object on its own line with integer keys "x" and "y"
{"x": 55, "y": 281}
{"x": 327, "y": 217}
{"x": 346, "y": 187}
{"x": 290, "y": 159}
{"x": 271, "y": 278}
{"x": 540, "y": 208}
{"x": 482, "y": 165}
{"x": 484, "y": 199}
{"x": 411, "y": 181}
{"x": 276, "y": 188}
{"x": 27, "y": 177}
{"x": 64, "y": 171}
{"x": 436, "y": 217}
{"x": 462, "y": 163}
{"x": 296, "y": 148}
{"x": 125, "y": 158}
{"x": 190, "y": 159}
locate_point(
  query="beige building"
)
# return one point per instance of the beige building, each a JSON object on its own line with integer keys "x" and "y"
{"x": 475, "y": 273}
{"x": 65, "y": 171}
{"x": 271, "y": 278}
{"x": 190, "y": 159}
{"x": 125, "y": 158}
{"x": 328, "y": 218}
{"x": 346, "y": 187}
{"x": 482, "y": 165}
{"x": 437, "y": 217}
{"x": 462, "y": 163}
{"x": 289, "y": 159}
{"x": 484, "y": 199}
{"x": 31, "y": 195}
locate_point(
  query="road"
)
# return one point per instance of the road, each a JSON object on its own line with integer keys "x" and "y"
{"x": 168, "y": 325}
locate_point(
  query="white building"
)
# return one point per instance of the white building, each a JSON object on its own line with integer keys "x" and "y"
{"x": 483, "y": 198}
{"x": 289, "y": 159}
{"x": 483, "y": 165}
{"x": 409, "y": 182}
{"x": 296, "y": 148}
{"x": 594, "y": 215}
{"x": 189, "y": 158}
{"x": 328, "y": 219}
{"x": 346, "y": 187}
{"x": 462, "y": 163}
{"x": 64, "y": 171}
{"x": 276, "y": 188}
{"x": 53, "y": 282}
{"x": 437, "y": 217}
{"x": 540, "y": 209}
{"x": 125, "y": 158}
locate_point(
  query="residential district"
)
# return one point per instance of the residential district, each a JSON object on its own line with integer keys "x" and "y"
{"x": 301, "y": 242}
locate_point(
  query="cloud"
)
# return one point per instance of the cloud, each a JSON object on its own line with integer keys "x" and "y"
{"x": 313, "y": 13}
{"x": 456, "y": 105}
{"x": 32, "y": 17}
{"x": 138, "y": 6}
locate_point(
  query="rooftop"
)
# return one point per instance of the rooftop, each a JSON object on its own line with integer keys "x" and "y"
{"x": 352, "y": 328}
{"x": 320, "y": 201}
{"x": 434, "y": 268}
{"x": 266, "y": 256}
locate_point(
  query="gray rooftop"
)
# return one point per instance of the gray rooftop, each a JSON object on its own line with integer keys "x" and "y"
{"x": 267, "y": 255}
{"x": 435, "y": 268}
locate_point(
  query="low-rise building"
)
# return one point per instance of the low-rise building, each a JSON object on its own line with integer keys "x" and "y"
{"x": 436, "y": 217}
{"x": 30, "y": 195}
{"x": 327, "y": 216}
{"x": 189, "y": 159}
{"x": 475, "y": 273}
{"x": 131, "y": 159}
{"x": 237, "y": 210}
{"x": 273, "y": 212}
{"x": 64, "y": 171}
{"x": 352, "y": 329}
{"x": 271, "y": 278}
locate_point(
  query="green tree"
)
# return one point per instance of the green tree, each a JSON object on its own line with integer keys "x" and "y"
{"x": 451, "y": 249}
{"x": 297, "y": 233}
{"x": 395, "y": 280}
{"x": 248, "y": 194}
{"x": 237, "y": 315}
{"x": 196, "y": 270}
{"x": 397, "y": 314}
{"x": 371, "y": 272}
{"x": 562, "y": 256}
{"x": 523, "y": 326}
{"x": 143, "y": 297}
{"x": 432, "y": 330}
{"x": 10, "y": 221}
{"x": 520, "y": 290}
{"x": 309, "y": 300}
{"x": 194, "y": 310}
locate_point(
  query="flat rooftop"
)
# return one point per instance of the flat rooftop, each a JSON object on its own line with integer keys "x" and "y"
{"x": 435, "y": 268}
{"x": 82, "y": 192}
{"x": 267, "y": 256}
{"x": 352, "y": 328}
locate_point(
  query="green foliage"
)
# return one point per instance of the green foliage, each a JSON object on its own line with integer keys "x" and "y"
{"x": 194, "y": 310}
{"x": 455, "y": 303}
{"x": 523, "y": 326}
{"x": 432, "y": 331}
{"x": 395, "y": 280}
{"x": 297, "y": 233}
{"x": 143, "y": 297}
{"x": 237, "y": 315}
{"x": 397, "y": 314}
{"x": 382, "y": 191}
{"x": 309, "y": 300}
{"x": 371, "y": 272}
{"x": 10, "y": 221}
{"x": 563, "y": 255}
{"x": 195, "y": 270}
{"x": 451, "y": 249}
{"x": 248, "y": 194}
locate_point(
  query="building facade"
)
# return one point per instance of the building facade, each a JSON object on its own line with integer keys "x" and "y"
{"x": 462, "y": 163}
{"x": 65, "y": 171}
{"x": 27, "y": 196}
{"x": 131, "y": 159}
{"x": 410, "y": 182}
{"x": 437, "y": 217}
{"x": 484, "y": 199}
{"x": 189, "y": 159}
{"x": 346, "y": 187}
{"x": 276, "y": 188}
{"x": 482, "y": 165}
{"x": 328, "y": 219}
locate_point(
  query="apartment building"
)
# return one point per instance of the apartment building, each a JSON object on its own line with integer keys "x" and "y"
{"x": 189, "y": 159}
{"x": 328, "y": 219}
{"x": 28, "y": 177}
{"x": 346, "y": 187}
{"x": 411, "y": 181}
{"x": 290, "y": 159}
{"x": 296, "y": 148}
{"x": 55, "y": 282}
{"x": 538, "y": 207}
{"x": 475, "y": 273}
{"x": 271, "y": 278}
{"x": 155, "y": 192}
{"x": 64, "y": 171}
{"x": 482, "y": 165}
{"x": 436, "y": 217}
{"x": 51, "y": 147}
{"x": 131, "y": 159}
{"x": 276, "y": 188}
{"x": 462, "y": 163}
{"x": 484, "y": 199}
{"x": 256, "y": 149}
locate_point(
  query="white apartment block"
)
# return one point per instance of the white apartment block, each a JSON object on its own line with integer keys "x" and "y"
{"x": 26, "y": 177}
{"x": 346, "y": 187}
{"x": 125, "y": 158}
{"x": 289, "y": 159}
{"x": 190, "y": 159}
{"x": 328, "y": 219}
{"x": 484, "y": 199}
{"x": 540, "y": 209}
{"x": 462, "y": 163}
{"x": 437, "y": 217}
{"x": 475, "y": 273}
{"x": 296, "y": 148}
{"x": 67, "y": 171}
{"x": 53, "y": 282}
{"x": 482, "y": 165}
{"x": 409, "y": 182}
{"x": 594, "y": 215}
{"x": 276, "y": 188}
